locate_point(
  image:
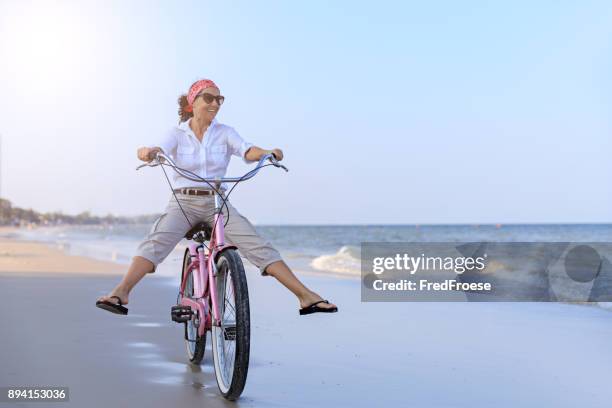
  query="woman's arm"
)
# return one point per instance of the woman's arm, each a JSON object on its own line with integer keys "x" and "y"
{"x": 254, "y": 153}
{"x": 167, "y": 144}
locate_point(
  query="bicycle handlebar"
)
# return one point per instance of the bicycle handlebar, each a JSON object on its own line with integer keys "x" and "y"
{"x": 159, "y": 156}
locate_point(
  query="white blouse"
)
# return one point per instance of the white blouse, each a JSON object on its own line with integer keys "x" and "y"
{"x": 208, "y": 158}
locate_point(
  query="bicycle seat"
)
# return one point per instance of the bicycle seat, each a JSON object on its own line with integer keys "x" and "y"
{"x": 202, "y": 227}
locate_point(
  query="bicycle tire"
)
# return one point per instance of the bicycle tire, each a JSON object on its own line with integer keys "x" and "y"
{"x": 195, "y": 346}
{"x": 230, "y": 269}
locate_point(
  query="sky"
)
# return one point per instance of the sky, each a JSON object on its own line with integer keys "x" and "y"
{"x": 387, "y": 112}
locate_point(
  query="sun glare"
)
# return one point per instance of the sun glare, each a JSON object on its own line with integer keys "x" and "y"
{"x": 44, "y": 47}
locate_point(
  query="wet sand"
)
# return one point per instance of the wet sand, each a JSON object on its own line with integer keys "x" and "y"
{"x": 368, "y": 354}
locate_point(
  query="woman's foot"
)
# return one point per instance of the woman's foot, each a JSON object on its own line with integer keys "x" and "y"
{"x": 310, "y": 298}
{"x": 119, "y": 292}
{"x": 307, "y": 298}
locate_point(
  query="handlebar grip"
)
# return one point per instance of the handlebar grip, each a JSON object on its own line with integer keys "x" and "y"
{"x": 275, "y": 162}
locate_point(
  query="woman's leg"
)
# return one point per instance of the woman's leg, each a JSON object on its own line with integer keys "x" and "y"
{"x": 138, "y": 269}
{"x": 240, "y": 232}
{"x": 283, "y": 274}
{"x": 165, "y": 233}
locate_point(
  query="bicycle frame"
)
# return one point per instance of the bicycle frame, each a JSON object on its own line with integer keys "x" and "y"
{"x": 204, "y": 270}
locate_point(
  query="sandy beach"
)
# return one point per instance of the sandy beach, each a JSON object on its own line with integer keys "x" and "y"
{"x": 27, "y": 257}
{"x": 368, "y": 354}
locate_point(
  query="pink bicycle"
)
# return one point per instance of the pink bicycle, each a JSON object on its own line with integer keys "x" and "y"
{"x": 213, "y": 294}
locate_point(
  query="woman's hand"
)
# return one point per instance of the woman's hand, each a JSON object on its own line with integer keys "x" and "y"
{"x": 146, "y": 154}
{"x": 256, "y": 153}
{"x": 278, "y": 154}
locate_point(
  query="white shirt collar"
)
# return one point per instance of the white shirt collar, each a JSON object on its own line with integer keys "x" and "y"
{"x": 184, "y": 126}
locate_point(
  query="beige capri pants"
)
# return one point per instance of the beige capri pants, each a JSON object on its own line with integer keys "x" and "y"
{"x": 171, "y": 227}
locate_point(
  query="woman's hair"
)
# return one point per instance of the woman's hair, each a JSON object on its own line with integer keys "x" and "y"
{"x": 182, "y": 110}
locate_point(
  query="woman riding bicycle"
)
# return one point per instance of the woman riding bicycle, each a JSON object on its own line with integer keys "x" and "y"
{"x": 204, "y": 146}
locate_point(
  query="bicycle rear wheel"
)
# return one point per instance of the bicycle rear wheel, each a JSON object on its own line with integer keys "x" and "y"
{"x": 231, "y": 340}
{"x": 194, "y": 344}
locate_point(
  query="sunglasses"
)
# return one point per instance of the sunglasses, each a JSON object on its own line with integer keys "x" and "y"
{"x": 209, "y": 98}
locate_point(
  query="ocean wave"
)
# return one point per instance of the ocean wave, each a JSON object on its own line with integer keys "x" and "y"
{"x": 346, "y": 261}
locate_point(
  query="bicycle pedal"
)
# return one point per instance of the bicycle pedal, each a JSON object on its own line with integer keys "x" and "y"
{"x": 181, "y": 314}
{"x": 229, "y": 333}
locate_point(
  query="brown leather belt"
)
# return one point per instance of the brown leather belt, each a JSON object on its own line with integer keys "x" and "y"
{"x": 194, "y": 191}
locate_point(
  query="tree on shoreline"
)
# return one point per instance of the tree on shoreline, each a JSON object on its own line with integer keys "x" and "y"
{"x": 15, "y": 216}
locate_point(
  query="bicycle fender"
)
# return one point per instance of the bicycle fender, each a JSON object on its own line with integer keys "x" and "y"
{"x": 224, "y": 248}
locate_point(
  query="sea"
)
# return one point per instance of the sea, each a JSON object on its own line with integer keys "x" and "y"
{"x": 327, "y": 249}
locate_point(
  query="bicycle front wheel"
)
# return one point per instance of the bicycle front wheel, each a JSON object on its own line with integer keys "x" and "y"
{"x": 231, "y": 339}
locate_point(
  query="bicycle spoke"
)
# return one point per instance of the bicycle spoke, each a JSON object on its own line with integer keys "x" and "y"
{"x": 231, "y": 306}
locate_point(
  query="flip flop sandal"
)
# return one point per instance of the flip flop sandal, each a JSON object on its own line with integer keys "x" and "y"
{"x": 316, "y": 309}
{"x": 113, "y": 307}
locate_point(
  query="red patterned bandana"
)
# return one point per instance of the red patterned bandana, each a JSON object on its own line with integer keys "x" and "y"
{"x": 197, "y": 87}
